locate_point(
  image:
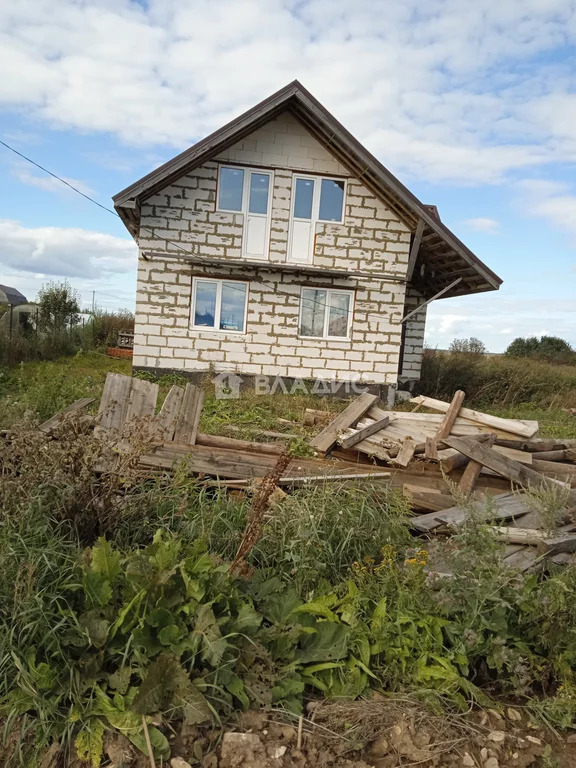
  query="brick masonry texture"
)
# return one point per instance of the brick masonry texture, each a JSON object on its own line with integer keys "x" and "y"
{"x": 414, "y": 338}
{"x": 371, "y": 241}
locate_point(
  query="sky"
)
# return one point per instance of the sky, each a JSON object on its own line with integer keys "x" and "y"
{"x": 471, "y": 105}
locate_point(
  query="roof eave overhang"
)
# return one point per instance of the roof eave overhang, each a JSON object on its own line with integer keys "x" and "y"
{"x": 332, "y": 134}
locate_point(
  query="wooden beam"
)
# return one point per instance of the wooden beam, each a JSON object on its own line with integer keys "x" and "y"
{"x": 361, "y": 434}
{"x": 515, "y": 472}
{"x": 519, "y": 427}
{"x": 349, "y": 416}
{"x": 414, "y": 250}
{"x": 451, "y": 415}
{"x": 406, "y": 453}
{"x": 472, "y": 471}
{"x": 436, "y": 296}
{"x": 55, "y": 421}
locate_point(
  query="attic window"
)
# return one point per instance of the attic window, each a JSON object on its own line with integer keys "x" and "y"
{"x": 315, "y": 199}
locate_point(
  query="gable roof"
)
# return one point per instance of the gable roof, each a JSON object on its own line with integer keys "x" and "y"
{"x": 442, "y": 256}
{"x": 12, "y": 296}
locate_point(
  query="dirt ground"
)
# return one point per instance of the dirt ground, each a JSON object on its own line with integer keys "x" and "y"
{"x": 367, "y": 734}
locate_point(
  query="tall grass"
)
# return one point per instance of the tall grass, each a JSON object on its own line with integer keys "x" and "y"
{"x": 498, "y": 380}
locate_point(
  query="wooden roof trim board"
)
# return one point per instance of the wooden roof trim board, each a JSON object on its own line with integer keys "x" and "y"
{"x": 295, "y": 98}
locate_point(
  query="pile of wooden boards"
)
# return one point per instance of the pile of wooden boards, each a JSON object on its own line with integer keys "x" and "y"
{"x": 127, "y": 415}
{"x": 429, "y": 454}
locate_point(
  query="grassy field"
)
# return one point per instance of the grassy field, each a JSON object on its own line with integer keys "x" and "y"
{"x": 36, "y": 390}
{"x": 122, "y": 615}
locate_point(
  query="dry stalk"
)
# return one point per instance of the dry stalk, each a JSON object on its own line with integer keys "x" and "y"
{"x": 260, "y": 503}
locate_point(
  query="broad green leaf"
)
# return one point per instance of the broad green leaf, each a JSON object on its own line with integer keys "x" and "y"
{"x": 96, "y": 588}
{"x": 120, "y": 680}
{"x": 106, "y": 561}
{"x": 328, "y": 643}
{"x": 170, "y": 635}
{"x": 317, "y": 608}
{"x": 236, "y": 688}
{"x": 89, "y": 743}
{"x": 160, "y": 745}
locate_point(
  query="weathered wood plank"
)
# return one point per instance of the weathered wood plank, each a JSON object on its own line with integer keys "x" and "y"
{"x": 349, "y": 416}
{"x": 503, "y": 506}
{"x": 472, "y": 471}
{"x": 523, "y": 457}
{"x": 451, "y": 459}
{"x": 142, "y": 400}
{"x": 450, "y": 416}
{"x": 554, "y": 467}
{"x": 217, "y": 441}
{"x": 521, "y": 427}
{"x": 187, "y": 425}
{"x": 168, "y": 416}
{"x": 515, "y": 472}
{"x": 114, "y": 402}
{"x": 347, "y": 441}
{"x": 406, "y": 453}
{"x": 54, "y": 421}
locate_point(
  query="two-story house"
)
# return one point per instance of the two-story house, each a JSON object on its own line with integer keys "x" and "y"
{"x": 280, "y": 246}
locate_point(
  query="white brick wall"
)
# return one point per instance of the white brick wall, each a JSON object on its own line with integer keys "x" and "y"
{"x": 414, "y": 338}
{"x": 372, "y": 240}
{"x": 270, "y": 345}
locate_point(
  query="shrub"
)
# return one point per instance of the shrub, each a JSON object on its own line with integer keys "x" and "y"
{"x": 549, "y": 348}
{"x": 58, "y": 306}
{"x": 471, "y": 346}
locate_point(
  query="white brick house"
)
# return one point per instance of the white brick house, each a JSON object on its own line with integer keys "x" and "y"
{"x": 280, "y": 246}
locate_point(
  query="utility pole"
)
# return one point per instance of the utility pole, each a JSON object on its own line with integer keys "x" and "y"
{"x": 93, "y": 301}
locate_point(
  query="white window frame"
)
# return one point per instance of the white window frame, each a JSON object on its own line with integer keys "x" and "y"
{"x": 248, "y": 170}
{"x": 314, "y": 218}
{"x": 218, "y": 310}
{"x": 329, "y": 291}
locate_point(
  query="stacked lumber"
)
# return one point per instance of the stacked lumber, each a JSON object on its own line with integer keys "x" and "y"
{"x": 128, "y": 418}
{"x": 486, "y": 456}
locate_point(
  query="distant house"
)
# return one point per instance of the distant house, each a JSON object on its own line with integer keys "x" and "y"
{"x": 16, "y": 312}
{"x": 279, "y": 245}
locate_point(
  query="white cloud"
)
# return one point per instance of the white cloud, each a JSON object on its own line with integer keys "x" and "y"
{"x": 451, "y": 323}
{"x": 409, "y": 82}
{"x": 550, "y": 200}
{"x": 480, "y": 224}
{"x": 49, "y": 183}
{"x": 64, "y": 252}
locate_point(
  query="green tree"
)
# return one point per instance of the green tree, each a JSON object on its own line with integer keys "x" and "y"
{"x": 522, "y": 347}
{"x": 471, "y": 346}
{"x": 550, "y": 348}
{"x": 58, "y": 306}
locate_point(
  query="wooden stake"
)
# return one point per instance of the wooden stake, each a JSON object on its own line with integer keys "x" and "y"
{"x": 148, "y": 743}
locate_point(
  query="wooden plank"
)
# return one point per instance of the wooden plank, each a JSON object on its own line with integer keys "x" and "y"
{"x": 142, "y": 400}
{"x": 554, "y": 467}
{"x": 515, "y": 472}
{"x": 522, "y": 559}
{"x": 522, "y": 457}
{"x": 55, "y": 421}
{"x": 450, "y": 416}
{"x": 233, "y": 464}
{"x": 360, "y": 434}
{"x": 472, "y": 472}
{"x": 414, "y": 250}
{"x": 451, "y": 459}
{"x": 431, "y": 449}
{"x": 166, "y": 419}
{"x": 187, "y": 424}
{"x": 349, "y": 416}
{"x": 217, "y": 441}
{"x": 504, "y": 506}
{"x": 560, "y": 454}
{"x": 523, "y": 428}
{"x": 114, "y": 402}
{"x": 406, "y": 453}
{"x": 537, "y": 444}
{"x": 427, "y": 498}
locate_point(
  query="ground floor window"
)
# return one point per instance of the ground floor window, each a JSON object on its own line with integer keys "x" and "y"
{"x": 219, "y": 305}
{"x": 326, "y": 314}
